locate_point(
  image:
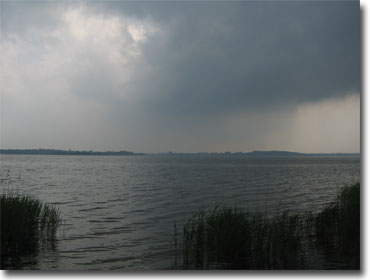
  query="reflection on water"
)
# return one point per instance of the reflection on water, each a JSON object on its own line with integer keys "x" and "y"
{"x": 119, "y": 211}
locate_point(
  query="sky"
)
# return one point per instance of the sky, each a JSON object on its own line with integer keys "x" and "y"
{"x": 181, "y": 76}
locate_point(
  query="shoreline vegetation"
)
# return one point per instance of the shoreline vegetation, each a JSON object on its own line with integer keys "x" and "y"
{"x": 230, "y": 238}
{"x": 27, "y": 227}
{"x": 127, "y": 153}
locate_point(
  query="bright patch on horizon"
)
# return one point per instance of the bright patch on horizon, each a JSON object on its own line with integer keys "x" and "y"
{"x": 332, "y": 124}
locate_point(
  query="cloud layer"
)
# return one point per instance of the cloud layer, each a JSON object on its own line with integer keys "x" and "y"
{"x": 180, "y": 76}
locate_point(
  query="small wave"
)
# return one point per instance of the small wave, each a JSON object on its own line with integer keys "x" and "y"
{"x": 93, "y": 249}
{"x": 60, "y": 203}
{"x": 103, "y": 221}
{"x": 113, "y": 260}
{"x": 92, "y": 209}
{"x": 78, "y": 237}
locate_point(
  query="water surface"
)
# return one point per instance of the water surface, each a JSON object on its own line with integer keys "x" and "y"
{"x": 119, "y": 211}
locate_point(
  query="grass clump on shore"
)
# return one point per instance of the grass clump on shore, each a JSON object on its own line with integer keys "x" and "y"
{"x": 338, "y": 225}
{"x": 26, "y": 225}
{"x": 230, "y": 238}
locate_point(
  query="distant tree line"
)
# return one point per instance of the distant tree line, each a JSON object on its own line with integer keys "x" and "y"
{"x": 63, "y": 152}
{"x": 264, "y": 154}
{"x": 126, "y": 153}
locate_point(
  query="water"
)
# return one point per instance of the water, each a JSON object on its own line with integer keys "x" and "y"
{"x": 119, "y": 211}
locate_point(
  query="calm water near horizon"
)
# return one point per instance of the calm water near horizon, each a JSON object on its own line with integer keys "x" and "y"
{"x": 119, "y": 211}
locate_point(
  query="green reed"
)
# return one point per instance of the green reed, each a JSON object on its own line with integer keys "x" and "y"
{"x": 230, "y": 238}
{"x": 338, "y": 225}
{"x": 26, "y": 225}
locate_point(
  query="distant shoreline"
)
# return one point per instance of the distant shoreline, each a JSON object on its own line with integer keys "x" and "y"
{"x": 127, "y": 153}
{"x": 64, "y": 152}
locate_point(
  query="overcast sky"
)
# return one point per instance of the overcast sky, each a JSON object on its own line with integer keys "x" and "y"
{"x": 184, "y": 77}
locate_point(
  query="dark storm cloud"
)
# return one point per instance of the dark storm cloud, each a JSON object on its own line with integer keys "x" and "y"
{"x": 242, "y": 55}
{"x": 182, "y": 76}
{"x": 221, "y": 57}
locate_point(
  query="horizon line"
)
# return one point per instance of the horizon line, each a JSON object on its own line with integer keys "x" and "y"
{"x": 170, "y": 151}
